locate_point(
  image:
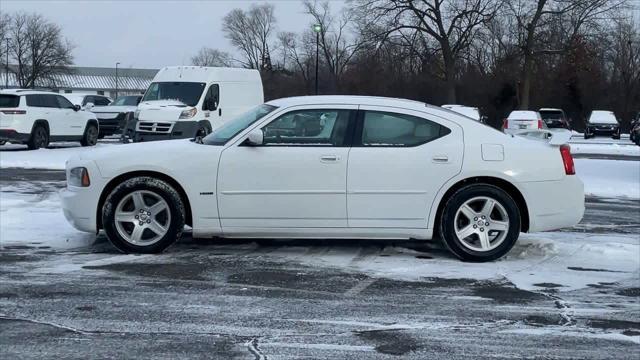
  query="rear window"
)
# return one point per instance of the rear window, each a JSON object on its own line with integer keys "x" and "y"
{"x": 547, "y": 115}
{"x": 9, "y": 101}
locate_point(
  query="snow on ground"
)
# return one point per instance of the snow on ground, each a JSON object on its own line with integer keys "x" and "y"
{"x": 609, "y": 178}
{"x": 18, "y": 156}
{"x": 605, "y": 149}
{"x": 561, "y": 260}
{"x": 30, "y": 215}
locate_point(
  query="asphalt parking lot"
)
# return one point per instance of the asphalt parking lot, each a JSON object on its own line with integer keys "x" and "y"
{"x": 311, "y": 299}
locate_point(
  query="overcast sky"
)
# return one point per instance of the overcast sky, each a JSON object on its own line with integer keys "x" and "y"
{"x": 148, "y": 34}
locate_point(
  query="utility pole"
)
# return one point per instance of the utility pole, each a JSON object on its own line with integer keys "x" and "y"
{"x": 317, "y": 28}
{"x": 117, "y": 79}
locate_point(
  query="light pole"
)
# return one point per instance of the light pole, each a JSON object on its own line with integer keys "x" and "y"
{"x": 117, "y": 79}
{"x": 6, "y": 74}
{"x": 317, "y": 28}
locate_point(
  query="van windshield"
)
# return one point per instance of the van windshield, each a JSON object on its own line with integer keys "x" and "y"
{"x": 226, "y": 132}
{"x": 185, "y": 92}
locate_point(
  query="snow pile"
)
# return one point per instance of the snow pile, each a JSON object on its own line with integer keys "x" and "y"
{"x": 609, "y": 178}
{"x": 606, "y": 149}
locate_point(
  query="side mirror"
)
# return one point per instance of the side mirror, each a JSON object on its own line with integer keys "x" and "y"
{"x": 89, "y": 105}
{"x": 256, "y": 137}
{"x": 76, "y": 107}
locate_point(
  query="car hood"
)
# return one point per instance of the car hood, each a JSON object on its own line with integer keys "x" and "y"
{"x": 168, "y": 157}
{"x": 161, "y": 110}
{"x": 113, "y": 109}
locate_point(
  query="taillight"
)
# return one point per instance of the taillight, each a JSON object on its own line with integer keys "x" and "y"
{"x": 567, "y": 159}
{"x": 14, "y": 112}
{"x": 505, "y": 123}
{"x": 539, "y": 124}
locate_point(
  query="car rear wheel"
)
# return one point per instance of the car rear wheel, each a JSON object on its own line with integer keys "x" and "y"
{"x": 39, "y": 138}
{"x": 90, "y": 137}
{"x": 480, "y": 222}
{"x": 143, "y": 215}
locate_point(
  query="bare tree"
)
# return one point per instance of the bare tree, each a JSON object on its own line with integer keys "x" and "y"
{"x": 251, "y": 32}
{"x": 38, "y": 49}
{"x": 212, "y": 57}
{"x": 453, "y": 24}
{"x": 534, "y": 22}
{"x": 337, "y": 46}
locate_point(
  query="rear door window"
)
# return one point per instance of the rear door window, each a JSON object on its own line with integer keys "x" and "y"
{"x": 383, "y": 129}
{"x": 42, "y": 100}
{"x": 9, "y": 101}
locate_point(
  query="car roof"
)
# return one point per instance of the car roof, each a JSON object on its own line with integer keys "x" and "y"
{"x": 549, "y": 109}
{"x": 350, "y": 100}
{"x": 20, "y": 92}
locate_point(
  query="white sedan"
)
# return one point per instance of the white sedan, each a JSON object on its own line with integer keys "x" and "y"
{"x": 330, "y": 167}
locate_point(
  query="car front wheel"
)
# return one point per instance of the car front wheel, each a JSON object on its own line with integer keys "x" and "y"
{"x": 143, "y": 215}
{"x": 480, "y": 222}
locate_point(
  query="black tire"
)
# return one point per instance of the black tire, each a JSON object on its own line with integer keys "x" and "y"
{"x": 90, "y": 136}
{"x": 448, "y": 222}
{"x": 175, "y": 208}
{"x": 616, "y": 137}
{"x": 586, "y": 136}
{"x": 39, "y": 137}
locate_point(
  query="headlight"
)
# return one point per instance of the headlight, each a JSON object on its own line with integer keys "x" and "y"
{"x": 79, "y": 176}
{"x": 135, "y": 114}
{"x": 188, "y": 114}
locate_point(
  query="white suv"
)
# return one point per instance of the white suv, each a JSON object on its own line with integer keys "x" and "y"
{"x": 36, "y": 118}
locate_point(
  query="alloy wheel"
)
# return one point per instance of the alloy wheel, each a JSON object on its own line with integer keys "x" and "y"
{"x": 142, "y": 218}
{"x": 481, "y": 223}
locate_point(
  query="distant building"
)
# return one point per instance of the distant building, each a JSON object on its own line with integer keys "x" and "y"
{"x": 90, "y": 80}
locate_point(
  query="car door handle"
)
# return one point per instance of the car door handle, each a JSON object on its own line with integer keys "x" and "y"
{"x": 440, "y": 159}
{"x": 329, "y": 158}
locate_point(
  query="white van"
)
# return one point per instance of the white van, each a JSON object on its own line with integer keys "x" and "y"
{"x": 191, "y": 101}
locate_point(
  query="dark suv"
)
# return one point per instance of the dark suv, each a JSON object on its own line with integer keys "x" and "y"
{"x": 602, "y": 122}
{"x": 554, "y": 118}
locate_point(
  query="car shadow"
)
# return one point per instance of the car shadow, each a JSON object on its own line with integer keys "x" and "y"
{"x": 424, "y": 249}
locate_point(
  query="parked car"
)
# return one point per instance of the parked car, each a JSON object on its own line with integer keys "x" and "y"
{"x": 414, "y": 170}
{"x": 87, "y": 101}
{"x": 522, "y": 120}
{"x": 113, "y": 117}
{"x": 37, "y": 118}
{"x": 468, "y": 111}
{"x": 602, "y": 122}
{"x": 554, "y": 118}
{"x": 191, "y": 101}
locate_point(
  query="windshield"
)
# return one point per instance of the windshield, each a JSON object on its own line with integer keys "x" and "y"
{"x": 126, "y": 101}
{"x": 186, "y": 92}
{"x": 221, "y": 135}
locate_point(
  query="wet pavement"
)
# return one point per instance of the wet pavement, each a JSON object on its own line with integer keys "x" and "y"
{"x": 267, "y": 299}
